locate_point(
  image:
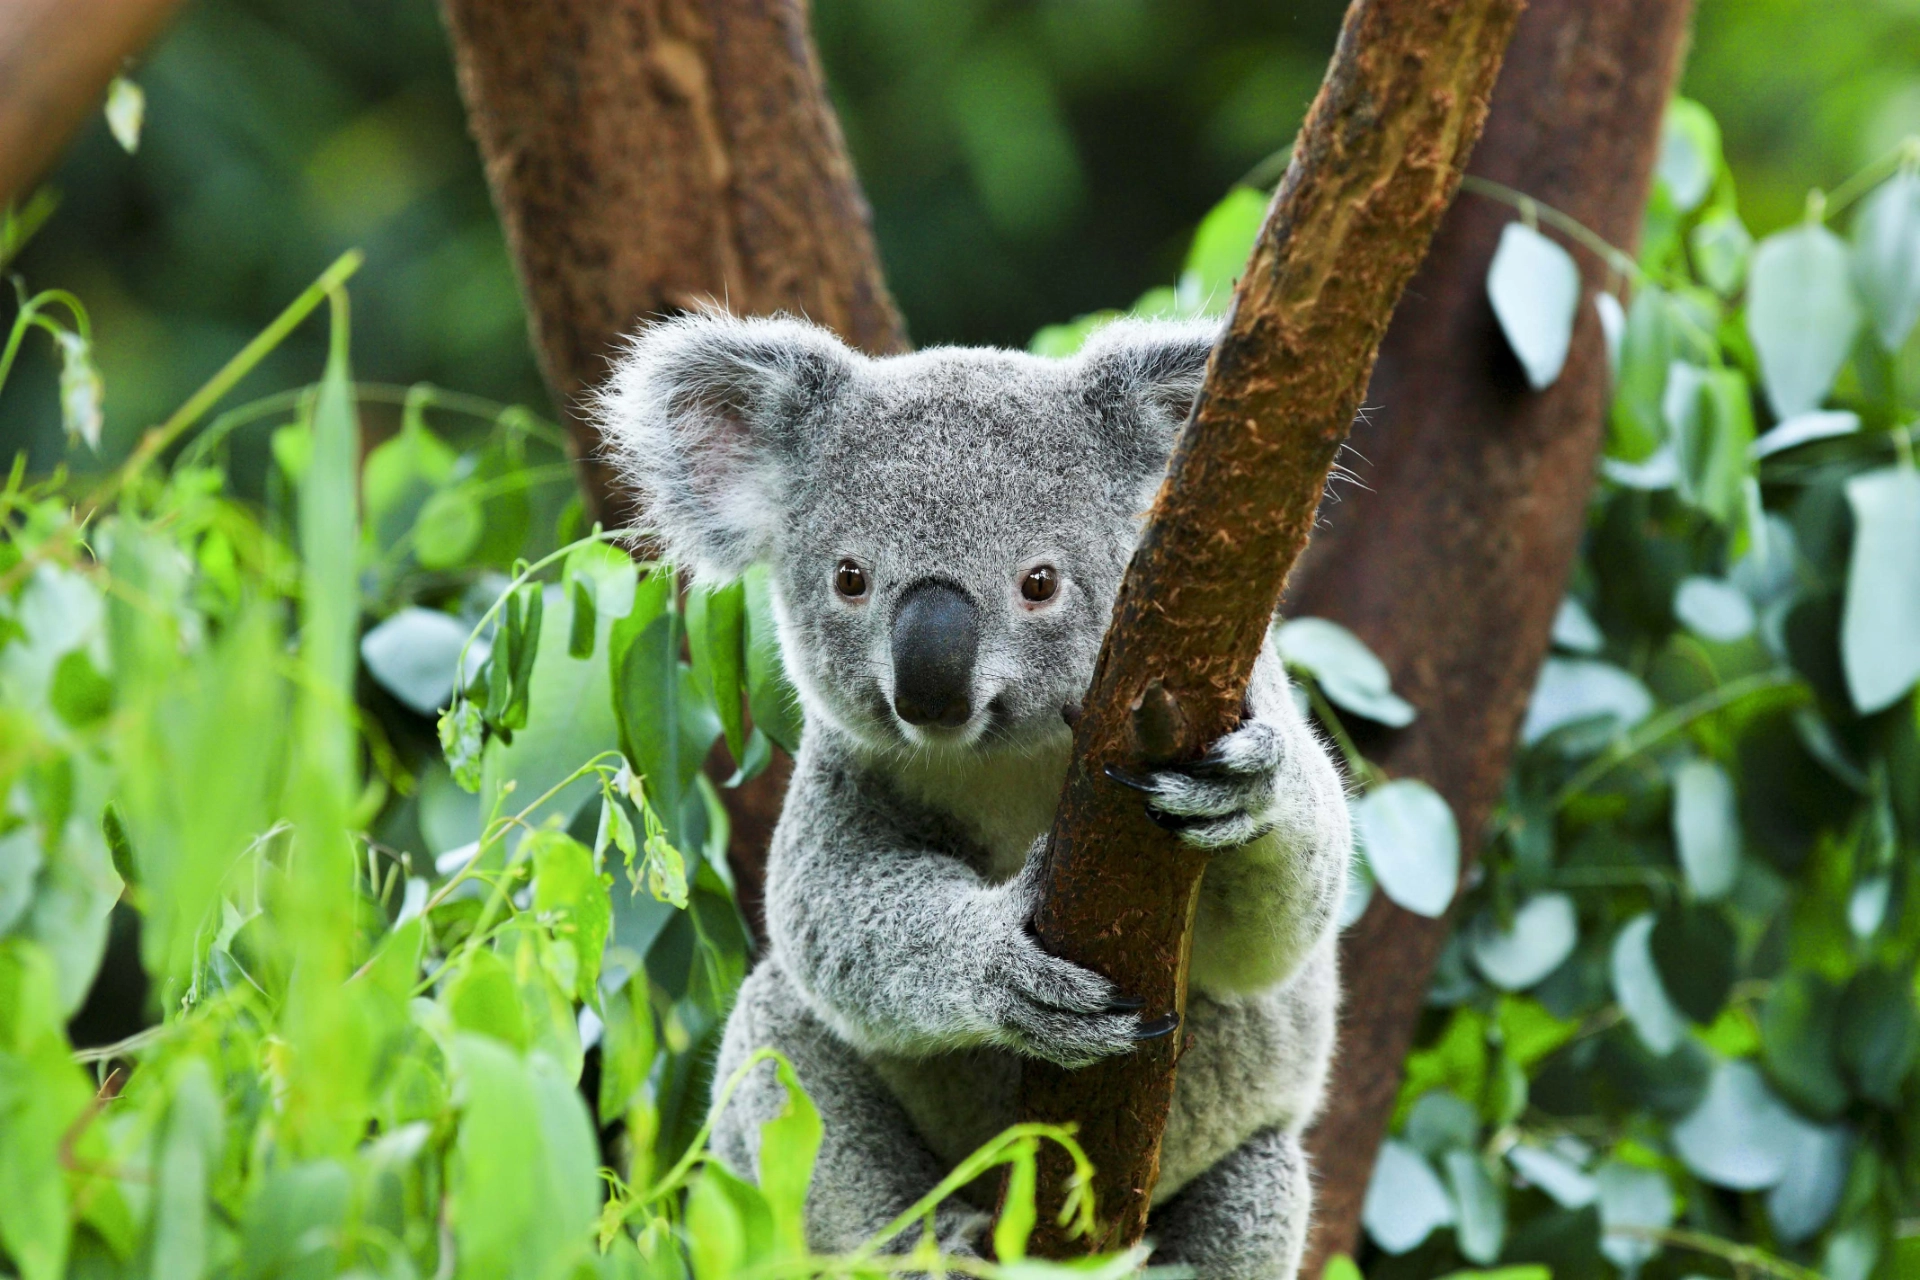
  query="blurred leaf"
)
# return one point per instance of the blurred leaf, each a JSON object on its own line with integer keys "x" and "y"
{"x": 1631, "y": 1196}
{"x": 1880, "y": 629}
{"x": 400, "y": 475}
{"x": 1803, "y": 429}
{"x": 81, "y": 390}
{"x": 1693, "y": 948}
{"x": 1613, "y": 327}
{"x": 1571, "y": 690}
{"x": 1412, "y": 844}
{"x": 1886, "y": 257}
{"x": 1647, "y": 351}
{"x": 1710, "y": 414}
{"x": 573, "y": 896}
{"x": 1801, "y": 315}
{"x": 1482, "y": 1204}
{"x": 1566, "y": 1182}
{"x": 1574, "y": 628}
{"x": 1405, "y": 1201}
{"x": 295, "y": 1220}
{"x": 413, "y": 655}
{"x": 1804, "y": 1199}
{"x": 483, "y": 998}
{"x": 789, "y": 1142}
{"x": 1689, "y": 153}
{"x": 1346, "y": 670}
{"x": 1440, "y": 1121}
{"x": 1879, "y": 1033}
{"x": 42, "y": 1096}
{"x": 1721, "y": 246}
{"x": 1534, "y": 286}
{"x": 1637, "y": 986}
{"x": 627, "y": 1049}
{"x": 462, "y": 733}
{"x": 186, "y": 1160}
{"x": 1740, "y": 1136}
{"x": 1706, "y": 829}
{"x": 1543, "y": 933}
{"x": 126, "y": 112}
{"x": 1713, "y": 609}
{"x": 80, "y": 695}
{"x": 1222, "y": 245}
{"x": 447, "y": 529}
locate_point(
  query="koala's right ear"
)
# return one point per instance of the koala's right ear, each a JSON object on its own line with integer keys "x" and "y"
{"x": 705, "y": 416}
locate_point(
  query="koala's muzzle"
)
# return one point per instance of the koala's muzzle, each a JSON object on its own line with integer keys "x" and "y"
{"x": 936, "y": 630}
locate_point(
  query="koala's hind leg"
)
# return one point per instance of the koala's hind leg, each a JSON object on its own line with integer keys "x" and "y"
{"x": 872, "y": 1164}
{"x": 1243, "y": 1219}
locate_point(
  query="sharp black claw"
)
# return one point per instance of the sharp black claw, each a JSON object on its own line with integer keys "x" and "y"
{"x": 1125, "y": 1004}
{"x": 1126, "y": 779}
{"x": 1158, "y": 1028}
{"x": 1171, "y": 821}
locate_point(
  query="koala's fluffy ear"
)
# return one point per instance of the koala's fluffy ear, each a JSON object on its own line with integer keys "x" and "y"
{"x": 705, "y": 415}
{"x": 1139, "y": 378}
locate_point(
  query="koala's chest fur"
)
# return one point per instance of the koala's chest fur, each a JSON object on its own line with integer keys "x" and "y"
{"x": 1001, "y": 801}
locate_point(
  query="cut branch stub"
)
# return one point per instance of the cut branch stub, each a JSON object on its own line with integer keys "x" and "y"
{"x": 1375, "y": 167}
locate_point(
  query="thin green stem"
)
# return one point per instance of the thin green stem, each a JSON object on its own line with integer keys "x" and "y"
{"x": 1739, "y": 1255}
{"x": 1619, "y": 260}
{"x": 1665, "y": 725}
{"x": 1357, "y": 765}
{"x": 1905, "y": 154}
{"x": 242, "y": 363}
{"x": 526, "y": 575}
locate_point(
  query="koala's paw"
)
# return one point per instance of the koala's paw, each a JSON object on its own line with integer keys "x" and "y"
{"x": 1051, "y": 1008}
{"x": 1223, "y": 799}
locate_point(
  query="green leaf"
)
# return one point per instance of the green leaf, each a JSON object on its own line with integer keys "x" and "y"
{"x": 413, "y": 656}
{"x": 1880, "y": 625}
{"x": 1632, "y": 1197}
{"x": 1710, "y": 413}
{"x": 1647, "y": 350}
{"x": 401, "y": 475}
{"x": 1689, "y": 153}
{"x": 580, "y": 636}
{"x": 1886, "y": 257}
{"x": 448, "y": 528}
{"x": 1574, "y": 690}
{"x": 1405, "y": 1201}
{"x": 1721, "y": 246}
{"x": 716, "y": 638}
{"x": 20, "y": 862}
{"x": 42, "y": 1095}
{"x": 462, "y": 735}
{"x": 569, "y": 893}
{"x": 1018, "y": 1211}
{"x": 484, "y": 998}
{"x": 1221, "y": 247}
{"x": 1534, "y": 286}
{"x": 80, "y": 695}
{"x": 789, "y": 1143}
{"x": 1412, "y": 844}
{"x": 771, "y": 699}
{"x": 1740, "y": 1136}
{"x": 294, "y": 1220}
{"x": 1801, "y": 315}
{"x": 1879, "y": 1033}
{"x": 627, "y": 1049}
{"x": 1706, "y": 829}
{"x": 186, "y": 1160}
{"x": 666, "y": 729}
{"x": 1439, "y": 1121}
{"x": 1481, "y": 1230}
{"x": 1714, "y": 609}
{"x": 1555, "y": 1173}
{"x": 1693, "y": 948}
{"x": 1345, "y": 669}
{"x": 1543, "y": 933}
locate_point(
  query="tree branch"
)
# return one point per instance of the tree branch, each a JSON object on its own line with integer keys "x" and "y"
{"x": 1452, "y": 558}
{"x": 1375, "y": 167}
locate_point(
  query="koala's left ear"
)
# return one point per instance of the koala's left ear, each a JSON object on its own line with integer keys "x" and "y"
{"x": 1139, "y": 378}
{"x": 706, "y": 416}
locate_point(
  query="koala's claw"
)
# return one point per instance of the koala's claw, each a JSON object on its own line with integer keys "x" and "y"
{"x": 1158, "y": 1028}
{"x": 1221, "y": 799}
{"x": 1125, "y": 1004}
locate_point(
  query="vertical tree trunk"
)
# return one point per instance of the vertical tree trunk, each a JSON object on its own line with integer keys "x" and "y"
{"x": 56, "y": 57}
{"x": 1377, "y": 162}
{"x": 650, "y": 156}
{"x": 1452, "y": 557}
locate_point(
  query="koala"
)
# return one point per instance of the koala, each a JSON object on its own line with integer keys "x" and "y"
{"x": 946, "y": 534}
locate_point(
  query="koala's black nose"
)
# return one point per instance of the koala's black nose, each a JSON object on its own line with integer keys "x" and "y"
{"x": 935, "y": 632}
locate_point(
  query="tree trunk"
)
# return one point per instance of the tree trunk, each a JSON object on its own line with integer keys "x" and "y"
{"x": 1452, "y": 557}
{"x": 56, "y": 57}
{"x": 651, "y": 156}
{"x": 1376, "y": 164}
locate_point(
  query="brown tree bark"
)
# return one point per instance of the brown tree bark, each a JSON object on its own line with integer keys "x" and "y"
{"x": 1451, "y": 558}
{"x": 1375, "y": 167}
{"x": 56, "y": 57}
{"x": 650, "y": 156}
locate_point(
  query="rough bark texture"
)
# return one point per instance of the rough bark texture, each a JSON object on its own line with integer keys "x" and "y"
{"x": 649, "y": 156}
{"x": 1453, "y": 557}
{"x": 56, "y": 57}
{"x": 1376, "y": 164}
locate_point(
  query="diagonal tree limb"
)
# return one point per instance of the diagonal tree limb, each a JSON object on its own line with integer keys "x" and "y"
{"x": 1376, "y": 165}
{"x": 1452, "y": 558}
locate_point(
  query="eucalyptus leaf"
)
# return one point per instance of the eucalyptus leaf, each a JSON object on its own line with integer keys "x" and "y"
{"x": 1714, "y": 609}
{"x": 1740, "y": 1136}
{"x": 413, "y": 655}
{"x": 1637, "y": 986}
{"x": 1637, "y": 425}
{"x": 1412, "y": 844}
{"x": 1721, "y": 246}
{"x": 1689, "y": 153}
{"x": 1632, "y": 1197}
{"x": 1575, "y": 629}
{"x": 1571, "y": 690}
{"x": 1880, "y": 625}
{"x": 1706, "y": 829}
{"x": 770, "y": 697}
{"x": 1613, "y": 327}
{"x": 1534, "y": 286}
{"x": 1804, "y": 1199}
{"x": 1801, "y": 315}
{"x": 1543, "y": 933}
{"x": 1799, "y": 1023}
{"x": 1405, "y": 1200}
{"x": 1346, "y": 670}
{"x": 1821, "y": 424}
{"x": 1879, "y": 1033}
{"x": 1481, "y": 1204}
{"x": 1694, "y": 949}
{"x": 1886, "y": 257}
{"x": 1570, "y": 1186}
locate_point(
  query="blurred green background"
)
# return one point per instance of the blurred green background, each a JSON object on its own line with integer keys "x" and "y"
{"x": 1025, "y": 161}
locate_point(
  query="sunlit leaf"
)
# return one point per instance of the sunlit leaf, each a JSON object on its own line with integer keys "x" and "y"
{"x": 1886, "y": 257}
{"x": 126, "y": 112}
{"x": 413, "y": 655}
{"x": 1801, "y": 315}
{"x": 1706, "y": 829}
{"x": 1880, "y": 627}
{"x": 1405, "y": 1201}
{"x": 1534, "y": 286}
{"x": 1542, "y": 934}
{"x": 1412, "y": 844}
{"x": 1346, "y": 670}
{"x": 1632, "y": 1197}
{"x": 1740, "y": 1136}
{"x": 1689, "y": 153}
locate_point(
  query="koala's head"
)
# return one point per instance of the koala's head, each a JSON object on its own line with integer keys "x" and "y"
{"x": 946, "y": 530}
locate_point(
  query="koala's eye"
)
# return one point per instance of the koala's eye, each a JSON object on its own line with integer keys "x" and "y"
{"x": 850, "y": 580}
{"x": 1039, "y": 583}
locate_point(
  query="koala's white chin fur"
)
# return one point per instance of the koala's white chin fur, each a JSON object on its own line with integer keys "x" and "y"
{"x": 902, "y": 979}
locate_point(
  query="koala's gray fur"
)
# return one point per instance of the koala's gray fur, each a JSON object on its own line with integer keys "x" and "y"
{"x": 901, "y": 978}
